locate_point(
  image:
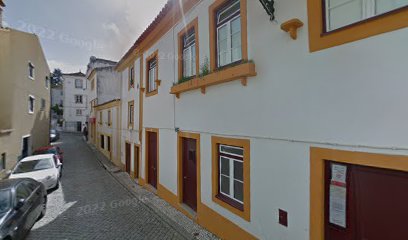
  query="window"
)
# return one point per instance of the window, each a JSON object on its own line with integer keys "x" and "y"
{"x": 189, "y": 54}
{"x": 131, "y": 83}
{"x": 102, "y": 141}
{"x": 231, "y": 180}
{"x": 3, "y": 161}
{"x": 333, "y": 23}
{"x": 79, "y": 83}
{"x": 152, "y": 72}
{"x": 47, "y": 82}
{"x": 93, "y": 84}
{"x": 22, "y": 192}
{"x": 109, "y": 117}
{"x": 78, "y": 99}
{"x": 109, "y": 143}
{"x": 31, "y": 70}
{"x": 343, "y": 13}
{"x": 31, "y": 103}
{"x": 79, "y": 112}
{"x": 131, "y": 110}
{"x": 42, "y": 104}
{"x": 229, "y": 34}
{"x": 100, "y": 118}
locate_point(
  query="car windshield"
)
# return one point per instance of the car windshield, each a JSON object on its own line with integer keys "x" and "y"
{"x": 34, "y": 165}
{"x": 46, "y": 151}
{"x": 5, "y": 200}
{"x": 53, "y": 131}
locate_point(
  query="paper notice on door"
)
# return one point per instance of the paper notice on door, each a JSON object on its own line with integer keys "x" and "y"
{"x": 339, "y": 174}
{"x": 337, "y": 207}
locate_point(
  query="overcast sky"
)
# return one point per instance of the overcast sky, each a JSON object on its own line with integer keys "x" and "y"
{"x": 73, "y": 30}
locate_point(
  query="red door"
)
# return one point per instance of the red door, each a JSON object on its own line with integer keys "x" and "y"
{"x": 376, "y": 205}
{"x": 189, "y": 150}
{"x": 136, "y": 162}
{"x": 152, "y": 158}
{"x": 127, "y": 157}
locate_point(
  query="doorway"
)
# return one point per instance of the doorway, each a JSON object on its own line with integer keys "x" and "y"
{"x": 189, "y": 172}
{"x": 127, "y": 157}
{"x": 25, "y": 150}
{"x": 79, "y": 126}
{"x": 151, "y": 158}
{"x": 136, "y": 162}
{"x": 367, "y": 203}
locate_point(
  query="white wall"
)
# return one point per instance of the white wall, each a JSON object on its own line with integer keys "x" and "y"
{"x": 344, "y": 97}
{"x": 70, "y": 106}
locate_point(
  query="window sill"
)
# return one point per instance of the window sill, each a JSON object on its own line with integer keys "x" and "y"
{"x": 230, "y": 202}
{"x": 152, "y": 93}
{"x": 241, "y": 71}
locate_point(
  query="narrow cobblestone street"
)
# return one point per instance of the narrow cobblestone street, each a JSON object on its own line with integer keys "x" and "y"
{"x": 91, "y": 204}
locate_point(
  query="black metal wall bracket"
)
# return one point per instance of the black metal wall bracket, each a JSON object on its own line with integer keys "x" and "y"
{"x": 269, "y": 6}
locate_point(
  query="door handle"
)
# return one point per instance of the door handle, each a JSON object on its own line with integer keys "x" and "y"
{"x": 185, "y": 177}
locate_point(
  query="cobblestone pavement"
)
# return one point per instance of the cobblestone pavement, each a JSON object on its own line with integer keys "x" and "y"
{"x": 92, "y": 204}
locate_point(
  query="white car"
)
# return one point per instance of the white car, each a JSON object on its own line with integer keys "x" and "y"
{"x": 43, "y": 168}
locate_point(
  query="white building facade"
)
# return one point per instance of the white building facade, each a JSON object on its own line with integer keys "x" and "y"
{"x": 75, "y": 101}
{"x": 242, "y": 122}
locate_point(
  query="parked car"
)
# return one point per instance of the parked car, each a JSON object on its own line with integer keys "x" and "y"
{"x": 22, "y": 202}
{"x": 43, "y": 168}
{"x": 51, "y": 150}
{"x": 54, "y": 135}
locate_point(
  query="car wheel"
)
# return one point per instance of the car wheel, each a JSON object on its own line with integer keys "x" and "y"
{"x": 44, "y": 208}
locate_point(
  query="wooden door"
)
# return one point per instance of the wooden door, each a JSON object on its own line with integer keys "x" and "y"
{"x": 152, "y": 158}
{"x": 127, "y": 157}
{"x": 189, "y": 172}
{"x": 376, "y": 204}
{"x": 136, "y": 162}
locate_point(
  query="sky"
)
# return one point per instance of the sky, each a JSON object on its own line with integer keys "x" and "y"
{"x": 71, "y": 31}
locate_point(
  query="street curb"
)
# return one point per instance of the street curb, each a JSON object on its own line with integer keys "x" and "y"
{"x": 170, "y": 222}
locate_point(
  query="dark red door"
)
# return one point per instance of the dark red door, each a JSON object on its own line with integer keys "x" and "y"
{"x": 136, "y": 162}
{"x": 127, "y": 157}
{"x": 190, "y": 173}
{"x": 152, "y": 158}
{"x": 377, "y": 206}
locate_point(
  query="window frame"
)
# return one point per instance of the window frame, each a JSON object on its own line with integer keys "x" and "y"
{"x": 31, "y": 70}
{"x": 100, "y": 117}
{"x": 241, "y": 209}
{"x": 80, "y": 97}
{"x": 102, "y": 141}
{"x": 131, "y": 77}
{"x": 31, "y": 110}
{"x": 214, "y": 9}
{"x": 131, "y": 114}
{"x": 81, "y": 85}
{"x": 109, "y": 118}
{"x": 154, "y": 91}
{"x": 319, "y": 39}
{"x": 193, "y": 25}
{"x": 76, "y": 112}
{"x": 232, "y": 158}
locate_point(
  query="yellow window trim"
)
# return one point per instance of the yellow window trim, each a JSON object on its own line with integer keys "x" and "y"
{"x": 129, "y": 76}
{"x": 156, "y": 91}
{"x": 245, "y": 144}
{"x": 192, "y": 25}
{"x": 131, "y": 125}
{"x": 318, "y": 156}
{"x": 213, "y": 29}
{"x": 319, "y": 40}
